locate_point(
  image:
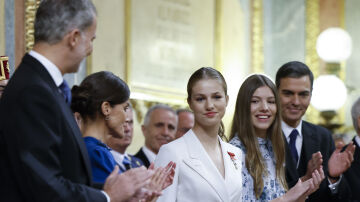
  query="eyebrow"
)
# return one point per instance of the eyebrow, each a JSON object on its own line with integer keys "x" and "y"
{"x": 254, "y": 96}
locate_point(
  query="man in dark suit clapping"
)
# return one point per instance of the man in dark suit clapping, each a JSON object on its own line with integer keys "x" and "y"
{"x": 42, "y": 154}
{"x": 308, "y": 146}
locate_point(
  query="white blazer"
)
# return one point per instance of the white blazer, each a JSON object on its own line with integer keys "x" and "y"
{"x": 196, "y": 176}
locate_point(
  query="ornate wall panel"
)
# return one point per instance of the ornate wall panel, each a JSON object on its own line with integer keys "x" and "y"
{"x": 169, "y": 39}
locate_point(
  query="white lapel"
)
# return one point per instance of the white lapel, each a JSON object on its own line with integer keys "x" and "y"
{"x": 233, "y": 177}
{"x": 201, "y": 163}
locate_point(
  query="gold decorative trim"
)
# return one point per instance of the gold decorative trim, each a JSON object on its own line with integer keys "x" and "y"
{"x": 218, "y": 51}
{"x": 312, "y": 31}
{"x": 127, "y": 40}
{"x": 30, "y": 12}
{"x": 342, "y": 71}
{"x": 257, "y": 36}
{"x": 3, "y": 58}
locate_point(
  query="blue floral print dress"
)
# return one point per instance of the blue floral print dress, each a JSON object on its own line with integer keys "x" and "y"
{"x": 272, "y": 187}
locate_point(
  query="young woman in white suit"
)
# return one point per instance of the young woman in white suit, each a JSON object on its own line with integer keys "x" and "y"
{"x": 208, "y": 169}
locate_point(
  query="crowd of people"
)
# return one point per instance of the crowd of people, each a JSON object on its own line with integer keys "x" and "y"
{"x": 62, "y": 144}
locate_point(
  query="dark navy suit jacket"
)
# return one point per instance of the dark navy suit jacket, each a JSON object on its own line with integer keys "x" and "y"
{"x": 141, "y": 155}
{"x": 42, "y": 154}
{"x": 353, "y": 174}
{"x": 315, "y": 138}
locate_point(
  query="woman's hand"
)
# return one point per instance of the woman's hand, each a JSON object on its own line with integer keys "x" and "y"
{"x": 161, "y": 179}
{"x": 303, "y": 189}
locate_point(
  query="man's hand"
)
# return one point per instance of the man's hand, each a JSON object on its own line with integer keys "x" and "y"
{"x": 314, "y": 164}
{"x": 339, "y": 162}
{"x": 303, "y": 189}
{"x": 124, "y": 186}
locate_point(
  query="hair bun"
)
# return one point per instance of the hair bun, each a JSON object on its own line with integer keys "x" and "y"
{"x": 81, "y": 100}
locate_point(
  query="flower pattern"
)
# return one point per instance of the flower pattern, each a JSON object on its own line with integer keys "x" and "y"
{"x": 272, "y": 188}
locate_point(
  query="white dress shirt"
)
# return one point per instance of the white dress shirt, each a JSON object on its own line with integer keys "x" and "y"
{"x": 357, "y": 139}
{"x": 49, "y": 66}
{"x": 118, "y": 157}
{"x": 151, "y": 156}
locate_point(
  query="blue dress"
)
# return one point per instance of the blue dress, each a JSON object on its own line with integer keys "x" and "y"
{"x": 102, "y": 161}
{"x": 272, "y": 188}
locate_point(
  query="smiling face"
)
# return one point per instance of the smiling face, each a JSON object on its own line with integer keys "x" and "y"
{"x": 160, "y": 129}
{"x": 263, "y": 110}
{"x": 295, "y": 95}
{"x": 208, "y": 102}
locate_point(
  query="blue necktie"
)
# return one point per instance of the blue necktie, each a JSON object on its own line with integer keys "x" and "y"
{"x": 126, "y": 162}
{"x": 292, "y": 144}
{"x": 65, "y": 90}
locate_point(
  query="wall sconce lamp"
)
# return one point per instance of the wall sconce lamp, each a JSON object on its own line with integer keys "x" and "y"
{"x": 334, "y": 46}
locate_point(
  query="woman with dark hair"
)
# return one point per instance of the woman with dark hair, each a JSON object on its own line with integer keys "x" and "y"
{"x": 208, "y": 169}
{"x": 256, "y": 130}
{"x": 100, "y": 104}
{"x": 101, "y": 100}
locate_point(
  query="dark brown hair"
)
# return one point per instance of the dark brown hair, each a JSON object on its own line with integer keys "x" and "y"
{"x": 240, "y": 127}
{"x": 94, "y": 90}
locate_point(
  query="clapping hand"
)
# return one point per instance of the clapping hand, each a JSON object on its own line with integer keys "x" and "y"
{"x": 314, "y": 164}
{"x": 162, "y": 178}
{"x": 339, "y": 162}
{"x": 128, "y": 184}
{"x": 303, "y": 189}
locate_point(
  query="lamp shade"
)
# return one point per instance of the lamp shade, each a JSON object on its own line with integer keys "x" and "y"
{"x": 329, "y": 93}
{"x": 334, "y": 45}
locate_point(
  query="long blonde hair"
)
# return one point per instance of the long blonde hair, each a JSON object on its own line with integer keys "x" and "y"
{"x": 240, "y": 126}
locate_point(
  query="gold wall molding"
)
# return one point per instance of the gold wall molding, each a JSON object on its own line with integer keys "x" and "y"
{"x": 219, "y": 35}
{"x": 30, "y": 12}
{"x": 312, "y": 31}
{"x": 257, "y": 34}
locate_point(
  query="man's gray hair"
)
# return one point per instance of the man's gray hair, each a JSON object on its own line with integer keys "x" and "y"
{"x": 158, "y": 106}
{"x": 55, "y": 18}
{"x": 355, "y": 114}
{"x": 178, "y": 111}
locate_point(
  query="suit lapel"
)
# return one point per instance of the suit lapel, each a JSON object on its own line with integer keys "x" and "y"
{"x": 38, "y": 67}
{"x": 232, "y": 167}
{"x": 143, "y": 157}
{"x": 201, "y": 163}
{"x": 75, "y": 130}
{"x": 356, "y": 162}
{"x": 309, "y": 145}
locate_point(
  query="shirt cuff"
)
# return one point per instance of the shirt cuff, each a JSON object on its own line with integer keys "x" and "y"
{"x": 334, "y": 187}
{"x": 106, "y": 195}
